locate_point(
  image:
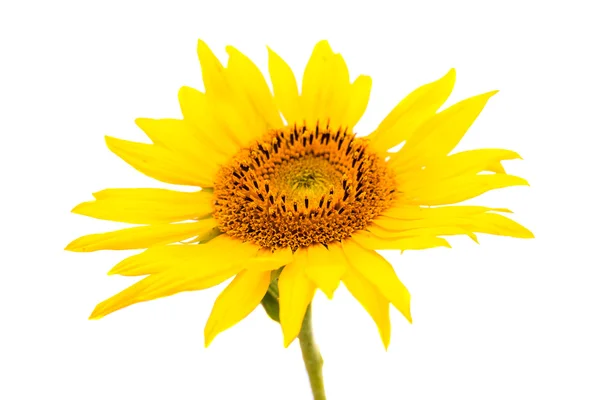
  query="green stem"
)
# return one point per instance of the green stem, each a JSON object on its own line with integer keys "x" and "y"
{"x": 312, "y": 357}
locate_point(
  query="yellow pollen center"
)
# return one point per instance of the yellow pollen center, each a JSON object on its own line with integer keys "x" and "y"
{"x": 300, "y": 186}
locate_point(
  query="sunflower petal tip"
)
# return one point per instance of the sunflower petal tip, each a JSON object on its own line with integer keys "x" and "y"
{"x": 203, "y": 50}
{"x": 183, "y": 92}
{"x": 230, "y": 50}
{"x": 74, "y": 246}
{"x": 95, "y": 315}
{"x": 324, "y": 45}
{"x": 142, "y": 122}
{"x": 201, "y": 44}
{"x": 77, "y": 208}
{"x": 287, "y": 341}
{"x": 110, "y": 141}
{"x": 208, "y": 338}
{"x": 451, "y": 73}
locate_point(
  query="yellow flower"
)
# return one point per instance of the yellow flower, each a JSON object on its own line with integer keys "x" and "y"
{"x": 302, "y": 193}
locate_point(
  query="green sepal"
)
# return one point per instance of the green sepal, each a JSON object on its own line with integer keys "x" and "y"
{"x": 270, "y": 301}
{"x": 271, "y": 306}
{"x": 208, "y": 236}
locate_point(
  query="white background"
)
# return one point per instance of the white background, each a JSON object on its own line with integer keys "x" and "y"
{"x": 507, "y": 319}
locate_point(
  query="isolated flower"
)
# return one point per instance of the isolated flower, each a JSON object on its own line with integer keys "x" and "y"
{"x": 300, "y": 192}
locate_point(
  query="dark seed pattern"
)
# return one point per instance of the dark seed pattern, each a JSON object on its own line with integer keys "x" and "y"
{"x": 301, "y": 186}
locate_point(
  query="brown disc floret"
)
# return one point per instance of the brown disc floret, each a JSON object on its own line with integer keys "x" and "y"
{"x": 299, "y": 186}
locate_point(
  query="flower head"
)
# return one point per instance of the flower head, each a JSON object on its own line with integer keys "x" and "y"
{"x": 301, "y": 195}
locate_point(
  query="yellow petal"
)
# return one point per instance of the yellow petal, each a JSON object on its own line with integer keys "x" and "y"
{"x": 359, "y": 98}
{"x": 159, "y": 163}
{"x": 372, "y": 242}
{"x": 394, "y": 224}
{"x": 141, "y": 237}
{"x": 147, "y": 206}
{"x": 440, "y": 134}
{"x": 495, "y": 224}
{"x": 267, "y": 260}
{"x": 235, "y": 122}
{"x": 412, "y": 112}
{"x": 215, "y": 262}
{"x": 473, "y": 161}
{"x": 236, "y": 302}
{"x": 161, "y": 258}
{"x": 494, "y": 166}
{"x": 420, "y": 243}
{"x": 181, "y": 138}
{"x": 316, "y": 83}
{"x": 380, "y": 273}
{"x": 213, "y": 73}
{"x": 371, "y": 299}
{"x": 313, "y": 72}
{"x": 398, "y": 234}
{"x": 295, "y": 294}
{"x": 285, "y": 89}
{"x": 413, "y": 212}
{"x": 158, "y": 259}
{"x": 459, "y": 189}
{"x": 337, "y": 100}
{"x": 396, "y": 229}
{"x": 243, "y": 73}
{"x": 326, "y": 266}
{"x": 196, "y": 111}
{"x": 232, "y": 113}
{"x": 454, "y": 221}
{"x": 377, "y": 231}
{"x": 464, "y": 163}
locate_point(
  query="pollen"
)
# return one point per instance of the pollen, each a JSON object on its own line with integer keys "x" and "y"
{"x": 301, "y": 186}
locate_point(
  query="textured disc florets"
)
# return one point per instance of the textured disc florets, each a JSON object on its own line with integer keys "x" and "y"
{"x": 299, "y": 186}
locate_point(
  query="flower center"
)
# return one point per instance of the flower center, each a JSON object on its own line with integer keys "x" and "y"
{"x": 301, "y": 186}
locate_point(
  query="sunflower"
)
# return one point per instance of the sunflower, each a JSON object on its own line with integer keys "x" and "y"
{"x": 289, "y": 196}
